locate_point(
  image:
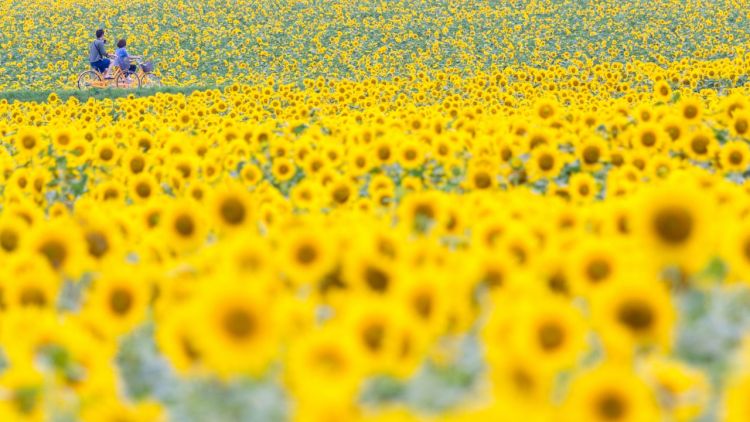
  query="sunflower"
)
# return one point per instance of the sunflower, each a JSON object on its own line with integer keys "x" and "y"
{"x": 135, "y": 162}
{"x": 176, "y": 338}
{"x": 683, "y": 392}
{"x": 635, "y": 310}
{"x": 610, "y": 393}
{"x": 142, "y": 187}
{"x": 342, "y": 191}
{"x": 546, "y": 110}
{"x": 595, "y": 263}
{"x": 306, "y": 195}
{"x": 117, "y": 304}
{"x": 28, "y": 142}
{"x": 251, "y": 174}
{"x": 701, "y": 144}
{"x": 106, "y": 153}
{"x": 740, "y": 124}
{"x": 674, "y": 127}
{"x": 359, "y": 162}
{"x": 662, "y": 91}
{"x": 736, "y": 251}
{"x": 382, "y": 151}
{"x": 734, "y": 156}
{"x": 552, "y": 333}
{"x": 691, "y": 109}
{"x": 648, "y": 136}
{"x": 307, "y": 255}
{"x": 592, "y": 152}
{"x": 370, "y": 274}
{"x": 410, "y": 154}
{"x": 60, "y": 243}
{"x": 674, "y": 220}
{"x": 37, "y": 288}
{"x": 283, "y": 170}
{"x": 480, "y": 177}
{"x": 236, "y": 330}
{"x": 325, "y": 367}
{"x": 62, "y": 138}
{"x": 231, "y": 208}
{"x": 12, "y": 232}
{"x": 183, "y": 226}
{"x": 583, "y": 187}
{"x": 24, "y": 386}
{"x": 374, "y": 325}
{"x": 545, "y": 162}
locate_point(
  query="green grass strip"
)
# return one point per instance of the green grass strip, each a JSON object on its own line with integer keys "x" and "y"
{"x": 97, "y": 94}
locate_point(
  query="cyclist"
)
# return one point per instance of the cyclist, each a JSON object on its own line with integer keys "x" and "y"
{"x": 98, "y": 56}
{"x": 122, "y": 58}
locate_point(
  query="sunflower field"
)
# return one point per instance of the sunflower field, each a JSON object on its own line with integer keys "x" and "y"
{"x": 369, "y": 211}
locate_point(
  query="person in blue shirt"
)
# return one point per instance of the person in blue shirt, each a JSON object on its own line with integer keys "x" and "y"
{"x": 98, "y": 57}
{"x": 122, "y": 58}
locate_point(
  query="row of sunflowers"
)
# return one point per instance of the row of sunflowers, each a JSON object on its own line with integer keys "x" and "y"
{"x": 563, "y": 243}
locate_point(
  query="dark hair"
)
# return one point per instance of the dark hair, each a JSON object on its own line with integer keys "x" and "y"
{"x": 99, "y": 33}
{"x": 121, "y": 43}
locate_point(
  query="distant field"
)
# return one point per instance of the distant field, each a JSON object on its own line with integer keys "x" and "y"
{"x": 218, "y": 42}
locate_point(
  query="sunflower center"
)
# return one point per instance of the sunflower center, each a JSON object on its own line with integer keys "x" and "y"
{"x": 373, "y": 337}
{"x": 120, "y": 301}
{"x": 306, "y": 254}
{"x": 137, "y": 164}
{"x": 384, "y": 153}
{"x": 8, "y": 240}
{"x": 184, "y": 225}
{"x": 97, "y": 244}
{"x": 425, "y": 211}
{"x": 673, "y": 225}
{"x": 546, "y": 111}
{"x": 29, "y": 142}
{"x": 143, "y": 190}
{"x": 189, "y": 349}
{"x": 551, "y": 336}
{"x": 423, "y": 305}
{"x": 648, "y": 139}
{"x": 33, "y": 296}
{"x": 482, "y": 180}
{"x": 741, "y": 126}
{"x": 522, "y": 380}
{"x": 690, "y": 112}
{"x": 598, "y": 270}
{"x": 493, "y": 278}
{"x": 233, "y": 211}
{"x": 699, "y": 145}
{"x": 106, "y": 154}
{"x": 746, "y": 249}
{"x": 341, "y": 194}
{"x": 591, "y": 155}
{"x": 329, "y": 360}
{"x": 376, "y": 279}
{"x": 610, "y": 406}
{"x": 636, "y": 315}
{"x": 239, "y": 324}
{"x": 55, "y": 252}
{"x": 735, "y": 157}
{"x": 546, "y": 162}
{"x": 557, "y": 283}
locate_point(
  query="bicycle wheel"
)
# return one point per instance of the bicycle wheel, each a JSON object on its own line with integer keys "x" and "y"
{"x": 149, "y": 80}
{"x": 130, "y": 81}
{"x": 89, "y": 79}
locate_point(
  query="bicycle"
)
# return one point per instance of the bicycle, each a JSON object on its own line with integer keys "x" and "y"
{"x": 143, "y": 76}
